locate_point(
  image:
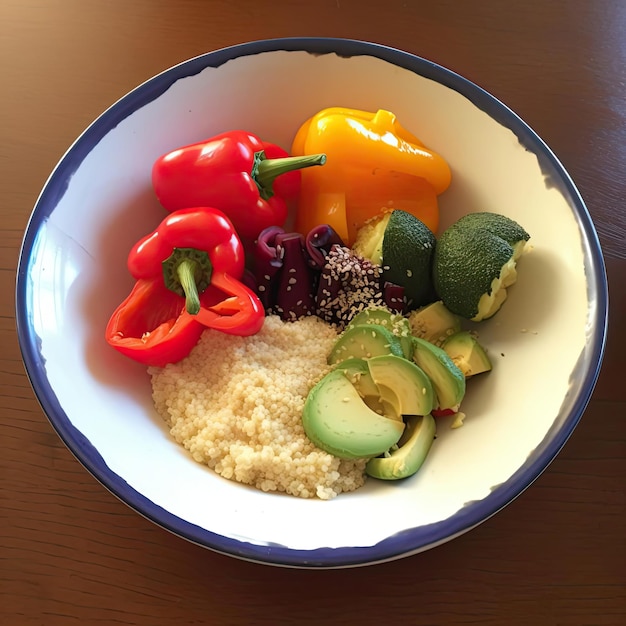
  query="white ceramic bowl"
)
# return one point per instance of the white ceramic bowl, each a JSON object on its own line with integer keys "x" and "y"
{"x": 546, "y": 342}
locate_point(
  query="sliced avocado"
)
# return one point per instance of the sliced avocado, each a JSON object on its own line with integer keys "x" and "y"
{"x": 447, "y": 379}
{"x": 413, "y": 448}
{"x": 337, "y": 420}
{"x": 396, "y": 323}
{"x": 358, "y": 374}
{"x": 469, "y": 356}
{"x": 402, "y": 384}
{"x": 434, "y": 322}
{"x": 365, "y": 341}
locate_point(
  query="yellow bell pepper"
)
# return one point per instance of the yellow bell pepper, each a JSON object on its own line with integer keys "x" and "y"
{"x": 372, "y": 164}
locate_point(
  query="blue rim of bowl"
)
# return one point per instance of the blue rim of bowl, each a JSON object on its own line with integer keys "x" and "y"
{"x": 407, "y": 542}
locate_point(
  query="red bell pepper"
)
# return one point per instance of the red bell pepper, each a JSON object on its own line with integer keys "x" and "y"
{"x": 152, "y": 326}
{"x": 250, "y": 180}
{"x": 187, "y": 273}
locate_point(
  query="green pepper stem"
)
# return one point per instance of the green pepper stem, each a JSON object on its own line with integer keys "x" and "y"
{"x": 186, "y": 271}
{"x": 265, "y": 171}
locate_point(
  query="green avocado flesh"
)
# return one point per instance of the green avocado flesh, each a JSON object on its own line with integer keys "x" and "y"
{"x": 358, "y": 374}
{"x": 357, "y": 410}
{"x": 402, "y": 384}
{"x": 369, "y": 240}
{"x": 337, "y": 420}
{"x": 396, "y": 323}
{"x": 467, "y": 353}
{"x": 447, "y": 379}
{"x": 365, "y": 341}
{"x": 434, "y": 322}
{"x": 411, "y": 453}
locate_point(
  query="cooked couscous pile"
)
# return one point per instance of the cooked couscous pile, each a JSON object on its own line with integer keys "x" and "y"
{"x": 236, "y": 404}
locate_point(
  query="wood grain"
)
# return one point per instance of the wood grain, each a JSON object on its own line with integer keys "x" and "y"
{"x": 71, "y": 553}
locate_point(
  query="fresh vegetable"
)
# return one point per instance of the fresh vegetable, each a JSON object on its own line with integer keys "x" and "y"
{"x": 319, "y": 242}
{"x": 285, "y": 278}
{"x": 151, "y": 325}
{"x": 402, "y": 385}
{"x": 467, "y": 353}
{"x": 405, "y": 248}
{"x": 475, "y": 261}
{"x": 373, "y": 163}
{"x": 365, "y": 341}
{"x": 348, "y": 283}
{"x": 336, "y": 419}
{"x": 411, "y": 451}
{"x": 250, "y": 180}
{"x": 187, "y": 273}
{"x": 316, "y": 274}
{"x": 447, "y": 379}
{"x": 395, "y": 322}
{"x": 356, "y": 410}
{"x": 434, "y": 322}
{"x": 185, "y": 249}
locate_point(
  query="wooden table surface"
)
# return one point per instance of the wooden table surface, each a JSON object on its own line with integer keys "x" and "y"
{"x": 71, "y": 553}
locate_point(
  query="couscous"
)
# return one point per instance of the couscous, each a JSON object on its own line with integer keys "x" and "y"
{"x": 236, "y": 404}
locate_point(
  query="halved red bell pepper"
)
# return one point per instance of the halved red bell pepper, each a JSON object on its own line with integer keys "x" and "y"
{"x": 151, "y": 325}
{"x": 250, "y": 180}
{"x": 187, "y": 273}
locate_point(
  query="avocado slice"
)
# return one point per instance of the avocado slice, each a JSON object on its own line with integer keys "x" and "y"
{"x": 402, "y": 384}
{"x": 467, "y": 353}
{"x": 434, "y": 322}
{"x": 396, "y": 323}
{"x": 413, "y": 448}
{"x": 364, "y": 341}
{"x": 358, "y": 374}
{"x": 447, "y": 379}
{"x": 337, "y": 420}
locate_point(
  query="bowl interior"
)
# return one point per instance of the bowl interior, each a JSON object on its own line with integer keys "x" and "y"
{"x": 545, "y": 343}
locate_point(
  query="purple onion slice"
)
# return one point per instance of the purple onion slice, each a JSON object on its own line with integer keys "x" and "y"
{"x": 268, "y": 261}
{"x": 294, "y": 292}
{"x": 318, "y": 243}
